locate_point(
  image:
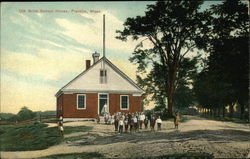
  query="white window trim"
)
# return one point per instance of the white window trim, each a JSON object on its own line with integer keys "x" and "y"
{"x": 121, "y": 102}
{"x": 84, "y": 102}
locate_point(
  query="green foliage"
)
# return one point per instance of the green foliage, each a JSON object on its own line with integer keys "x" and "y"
{"x": 35, "y": 136}
{"x": 75, "y": 155}
{"x": 225, "y": 78}
{"x": 174, "y": 28}
{"x": 28, "y": 137}
{"x": 189, "y": 154}
{"x": 6, "y": 116}
{"x": 25, "y": 114}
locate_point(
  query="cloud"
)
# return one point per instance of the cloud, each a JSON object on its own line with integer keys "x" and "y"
{"x": 91, "y": 33}
{"x": 50, "y": 65}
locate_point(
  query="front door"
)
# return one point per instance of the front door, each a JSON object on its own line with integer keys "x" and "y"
{"x": 103, "y": 99}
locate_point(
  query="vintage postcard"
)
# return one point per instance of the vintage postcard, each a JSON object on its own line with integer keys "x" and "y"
{"x": 125, "y": 79}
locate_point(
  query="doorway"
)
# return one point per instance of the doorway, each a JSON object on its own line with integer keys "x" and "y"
{"x": 103, "y": 99}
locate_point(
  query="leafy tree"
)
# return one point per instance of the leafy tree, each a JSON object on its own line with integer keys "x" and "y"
{"x": 225, "y": 79}
{"x": 25, "y": 113}
{"x": 174, "y": 28}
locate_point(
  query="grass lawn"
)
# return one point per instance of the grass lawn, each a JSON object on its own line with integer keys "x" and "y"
{"x": 35, "y": 136}
{"x": 75, "y": 155}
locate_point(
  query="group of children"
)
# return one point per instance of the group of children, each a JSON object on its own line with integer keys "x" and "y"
{"x": 129, "y": 122}
{"x": 132, "y": 121}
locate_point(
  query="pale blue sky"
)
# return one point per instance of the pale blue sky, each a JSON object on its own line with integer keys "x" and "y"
{"x": 41, "y": 52}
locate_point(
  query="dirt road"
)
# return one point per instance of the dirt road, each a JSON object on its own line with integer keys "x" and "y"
{"x": 222, "y": 139}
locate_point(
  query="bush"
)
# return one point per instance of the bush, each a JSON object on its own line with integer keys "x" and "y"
{"x": 25, "y": 114}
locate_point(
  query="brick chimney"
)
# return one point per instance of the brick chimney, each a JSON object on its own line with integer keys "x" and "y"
{"x": 88, "y": 64}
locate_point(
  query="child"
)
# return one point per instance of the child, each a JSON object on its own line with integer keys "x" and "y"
{"x": 135, "y": 123}
{"x": 152, "y": 123}
{"x": 60, "y": 126}
{"x": 121, "y": 125}
{"x": 131, "y": 124}
{"x": 116, "y": 122}
{"x": 159, "y": 121}
{"x": 98, "y": 119}
{"x": 146, "y": 122}
{"x": 176, "y": 120}
{"x": 141, "y": 118}
{"x": 126, "y": 124}
{"x": 112, "y": 121}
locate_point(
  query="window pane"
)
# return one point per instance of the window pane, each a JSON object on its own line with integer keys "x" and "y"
{"x": 103, "y": 73}
{"x": 124, "y": 102}
{"x": 103, "y": 96}
{"x": 81, "y": 101}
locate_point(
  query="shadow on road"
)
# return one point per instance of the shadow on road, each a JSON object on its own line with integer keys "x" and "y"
{"x": 219, "y": 136}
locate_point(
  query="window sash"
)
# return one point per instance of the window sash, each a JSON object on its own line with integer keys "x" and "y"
{"x": 81, "y": 101}
{"x": 103, "y": 76}
{"x": 124, "y": 103}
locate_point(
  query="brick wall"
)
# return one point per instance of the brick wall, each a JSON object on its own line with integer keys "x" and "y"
{"x": 69, "y": 104}
{"x": 59, "y": 106}
{"x": 114, "y": 103}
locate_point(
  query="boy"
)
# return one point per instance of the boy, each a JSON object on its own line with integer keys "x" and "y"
{"x": 152, "y": 123}
{"x": 121, "y": 125}
{"x": 176, "y": 120}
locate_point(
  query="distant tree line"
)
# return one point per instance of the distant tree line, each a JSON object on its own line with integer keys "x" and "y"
{"x": 25, "y": 114}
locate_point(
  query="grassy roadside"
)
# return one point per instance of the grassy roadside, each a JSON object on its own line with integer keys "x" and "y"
{"x": 74, "y": 155}
{"x": 226, "y": 119}
{"x": 35, "y": 136}
{"x": 188, "y": 155}
{"x": 97, "y": 155}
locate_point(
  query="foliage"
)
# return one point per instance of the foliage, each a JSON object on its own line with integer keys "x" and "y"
{"x": 174, "y": 28}
{"x": 224, "y": 80}
{"x": 28, "y": 137}
{"x": 189, "y": 154}
{"x": 75, "y": 155}
{"x": 33, "y": 136}
{"x": 25, "y": 113}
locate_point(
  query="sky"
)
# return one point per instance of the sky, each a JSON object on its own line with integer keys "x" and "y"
{"x": 44, "y": 45}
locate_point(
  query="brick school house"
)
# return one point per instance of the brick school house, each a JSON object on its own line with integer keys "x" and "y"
{"x": 101, "y": 83}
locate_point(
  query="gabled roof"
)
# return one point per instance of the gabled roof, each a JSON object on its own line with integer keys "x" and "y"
{"x": 109, "y": 63}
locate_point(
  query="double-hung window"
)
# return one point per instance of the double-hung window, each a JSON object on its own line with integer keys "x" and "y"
{"x": 81, "y": 101}
{"x": 103, "y": 76}
{"x": 124, "y": 102}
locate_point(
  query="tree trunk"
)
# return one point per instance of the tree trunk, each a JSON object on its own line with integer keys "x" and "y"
{"x": 231, "y": 110}
{"x": 248, "y": 102}
{"x": 214, "y": 113}
{"x": 171, "y": 88}
{"x": 170, "y": 105}
{"x": 223, "y": 112}
{"x": 242, "y": 111}
{"x": 219, "y": 112}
